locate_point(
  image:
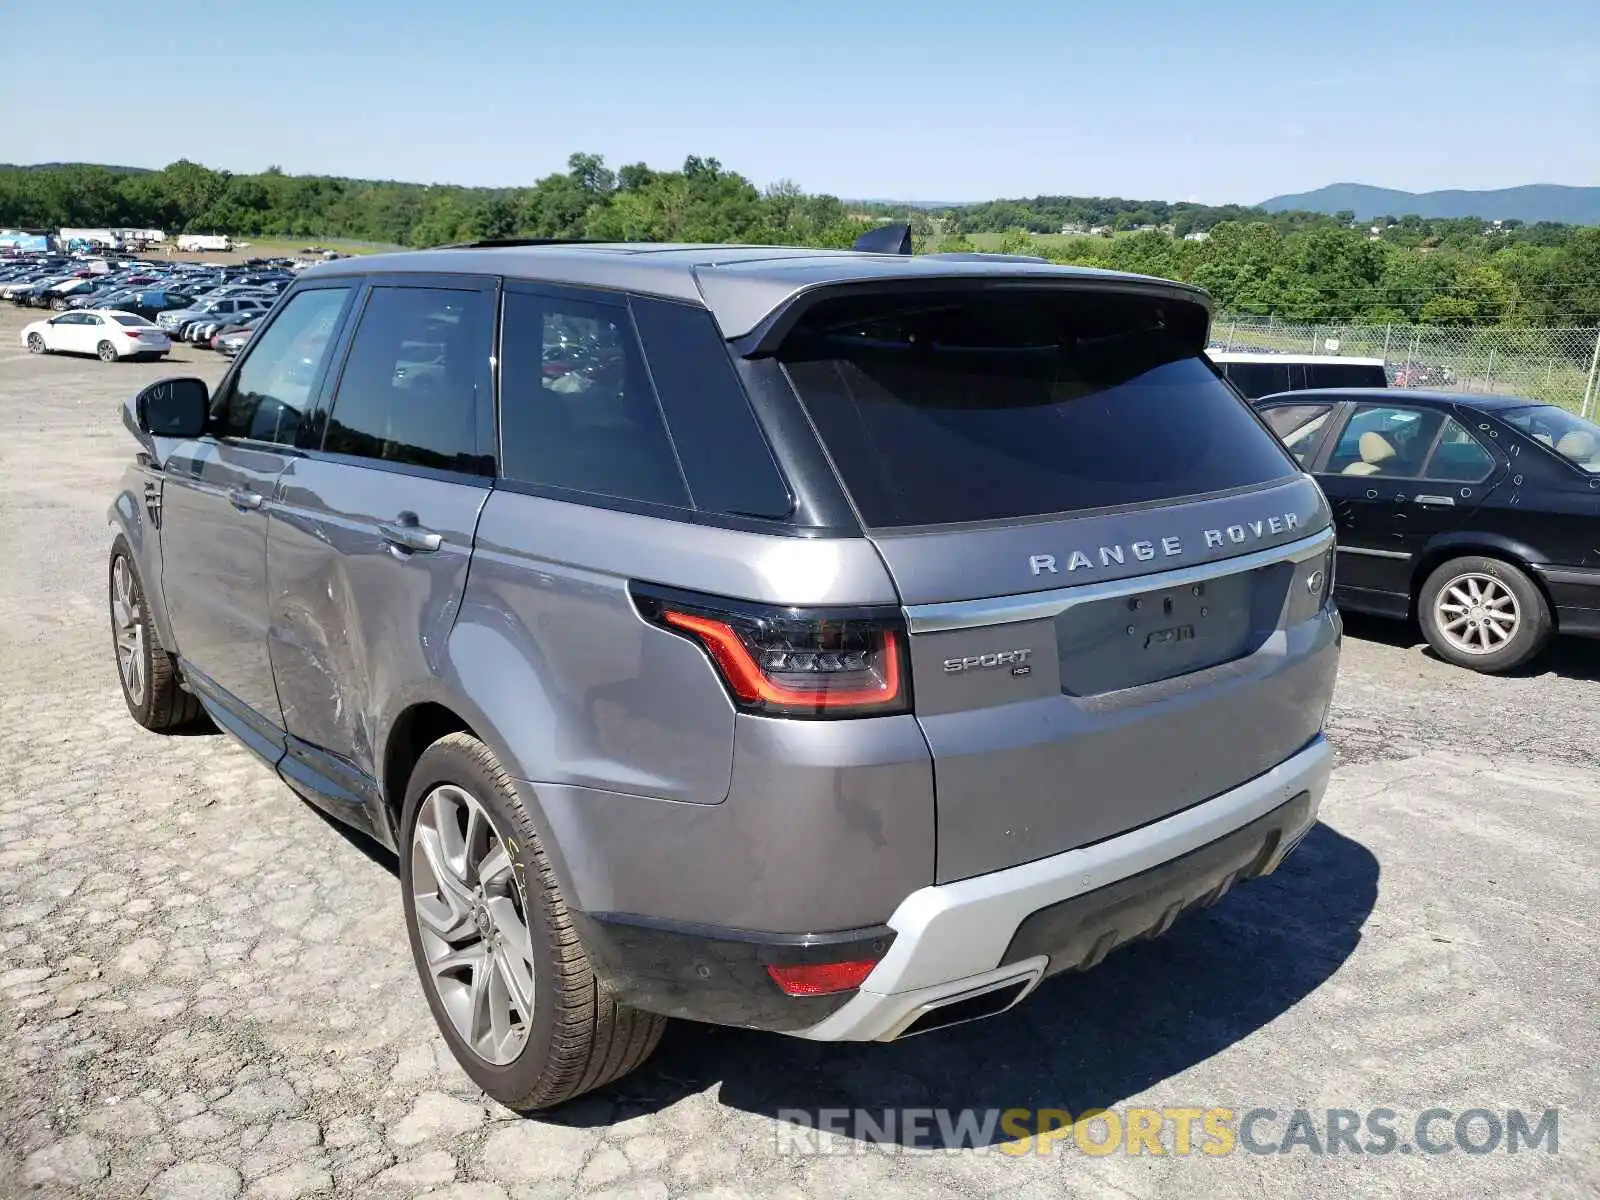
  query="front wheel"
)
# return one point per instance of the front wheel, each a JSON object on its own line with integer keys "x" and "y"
{"x": 107, "y": 352}
{"x": 1484, "y": 614}
{"x": 149, "y": 675}
{"x": 504, "y": 972}
{"x": 36, "y": 343}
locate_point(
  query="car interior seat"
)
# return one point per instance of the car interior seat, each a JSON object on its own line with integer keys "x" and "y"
{"x": 1376, "y": 450}
{"x": 1579, "y": 446}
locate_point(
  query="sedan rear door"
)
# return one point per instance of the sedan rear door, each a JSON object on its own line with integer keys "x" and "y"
{"x": 1399, "y": 475}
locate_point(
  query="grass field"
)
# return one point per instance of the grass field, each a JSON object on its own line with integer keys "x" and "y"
{"x": 273, "y": 247}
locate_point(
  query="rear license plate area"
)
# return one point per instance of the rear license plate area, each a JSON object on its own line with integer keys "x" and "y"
{"x": 1126, "y": 641}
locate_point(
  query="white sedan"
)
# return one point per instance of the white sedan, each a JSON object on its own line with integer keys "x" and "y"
{"x": 104, "y": 332}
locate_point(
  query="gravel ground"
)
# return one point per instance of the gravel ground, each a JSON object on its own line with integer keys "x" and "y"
{"x": 205, "y": 989}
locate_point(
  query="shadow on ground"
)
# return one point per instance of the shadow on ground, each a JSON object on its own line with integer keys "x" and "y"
{"x": 1148, "y": 1012}
{"x": 1568, "y": 657}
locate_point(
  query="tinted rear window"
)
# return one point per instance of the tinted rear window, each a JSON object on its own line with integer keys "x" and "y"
{"x": 1262, "y": 379}
{"x": 1345, "y": 375}
{"x": 993, "y": 406}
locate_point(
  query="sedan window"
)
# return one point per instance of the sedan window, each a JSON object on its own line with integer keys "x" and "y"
{"x": 1300, "y": 426}
{"x": 1459, "y": 457}
{"x": 1385, "y": 440}
{"x": 1573, "y": 438}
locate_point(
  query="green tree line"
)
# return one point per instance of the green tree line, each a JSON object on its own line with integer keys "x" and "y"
{"x": 701, "y": 202}
{"x": 1297, "y": 266}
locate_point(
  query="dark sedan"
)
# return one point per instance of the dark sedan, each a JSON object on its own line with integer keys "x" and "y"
{"x": 1477, "y": 515}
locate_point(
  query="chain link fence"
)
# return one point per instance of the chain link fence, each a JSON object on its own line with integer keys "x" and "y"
{"x": 1557, "y": 366}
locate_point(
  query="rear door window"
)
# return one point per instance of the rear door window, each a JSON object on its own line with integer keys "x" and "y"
{"x": 990, "y": 406}
{"x": 1458, "y": 457}
{"x": 1385, "y": 440}
{"x": 577, "y": 410}
{"x": 410, "y": 389}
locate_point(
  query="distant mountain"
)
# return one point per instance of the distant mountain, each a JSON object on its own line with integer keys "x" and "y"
{"x": 1532, "y": 202}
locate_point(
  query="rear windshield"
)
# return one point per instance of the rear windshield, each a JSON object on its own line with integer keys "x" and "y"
{"x": 129, "y": 319}
{"x": 996, "y": 405}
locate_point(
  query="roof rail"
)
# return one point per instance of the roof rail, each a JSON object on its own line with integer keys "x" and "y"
{"x": 886, "y": 239}
{"x": 983, "y": 256}
{"x": 502, "y": 243}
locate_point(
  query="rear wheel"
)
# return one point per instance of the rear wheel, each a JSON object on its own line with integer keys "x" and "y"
{"x": 36, "y": 343}
{"x": 504, "y": 972}
{"x": 107, "y": 352}
{"x": 1484, "y": 614}
{"x": 148, "y": 673}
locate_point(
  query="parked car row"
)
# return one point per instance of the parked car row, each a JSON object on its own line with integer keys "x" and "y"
{"x": 181, "y": 302}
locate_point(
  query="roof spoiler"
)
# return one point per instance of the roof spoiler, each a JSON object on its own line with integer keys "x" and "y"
{"x": 885, "y": 239}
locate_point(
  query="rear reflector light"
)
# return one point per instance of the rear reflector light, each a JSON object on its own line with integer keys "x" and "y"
{"x": 821, "y": 979}
{"x": 792, "y": 661}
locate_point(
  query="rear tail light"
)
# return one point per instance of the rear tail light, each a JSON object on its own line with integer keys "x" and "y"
{"x": 793, "y": 662}
{"x": 821, "y": 979}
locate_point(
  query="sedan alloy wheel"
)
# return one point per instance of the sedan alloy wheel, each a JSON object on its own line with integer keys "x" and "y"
{"x": 1477, "y": 613}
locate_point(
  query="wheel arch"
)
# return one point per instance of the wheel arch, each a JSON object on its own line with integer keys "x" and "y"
{"x": 135, "y": 514}
{"x": 1460, "y": 544}
{"x": 420, "y": 721}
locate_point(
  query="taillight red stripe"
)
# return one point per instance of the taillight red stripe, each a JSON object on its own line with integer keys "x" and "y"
{"x": 750, "y": 683}
{"x": 821, "y": 979}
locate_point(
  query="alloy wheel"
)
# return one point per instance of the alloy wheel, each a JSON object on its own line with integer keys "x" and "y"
{"x": 35, "y": 343}
{"x": 127, "y": 621}
{"x": 472, "y": 921}
{"x": 1477, "y": 613}
{"x": 107, "y": 352}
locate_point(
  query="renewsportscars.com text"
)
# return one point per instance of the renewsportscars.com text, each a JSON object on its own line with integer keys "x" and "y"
{"x": 1179, "y": 1131}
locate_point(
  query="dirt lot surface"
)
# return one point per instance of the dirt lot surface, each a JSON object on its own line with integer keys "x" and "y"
{"x": 205, "y": 989}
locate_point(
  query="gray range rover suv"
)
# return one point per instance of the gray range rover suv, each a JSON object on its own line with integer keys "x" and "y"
{"x": 833, "y": 643}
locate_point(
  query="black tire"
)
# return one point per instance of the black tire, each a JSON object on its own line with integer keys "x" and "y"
{"x": 1530, "y": 631}
{"x": 580, "y": 1038}
{"x": 36, "y": 344}
{"x": 160, "y": 704}
{"x": 107, "y": 352}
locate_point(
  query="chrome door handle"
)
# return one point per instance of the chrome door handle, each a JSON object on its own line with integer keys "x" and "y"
{"x": 404, "y": 534}
{"x": 1437, "y": 501}
{"x": 244, "y": 500}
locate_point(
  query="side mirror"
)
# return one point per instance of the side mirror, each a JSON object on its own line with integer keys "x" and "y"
{"x": 175, "y": 408}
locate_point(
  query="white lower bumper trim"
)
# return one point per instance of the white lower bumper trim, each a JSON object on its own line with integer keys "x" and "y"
{"x": 949, "y": 937}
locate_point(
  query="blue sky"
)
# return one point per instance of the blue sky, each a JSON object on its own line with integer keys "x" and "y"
{"x": 877, "y": 98}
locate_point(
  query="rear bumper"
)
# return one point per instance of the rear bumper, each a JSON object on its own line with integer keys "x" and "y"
{"x": 957, "y": 951}
{"x": 977, "y": 946}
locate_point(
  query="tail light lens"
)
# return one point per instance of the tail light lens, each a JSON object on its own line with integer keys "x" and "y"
{"x": 821, "y": 979}
{"x": 793, "y": 662}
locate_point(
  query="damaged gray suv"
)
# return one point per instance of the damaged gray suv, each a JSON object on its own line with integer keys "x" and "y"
{"x": 831, "y": 643}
